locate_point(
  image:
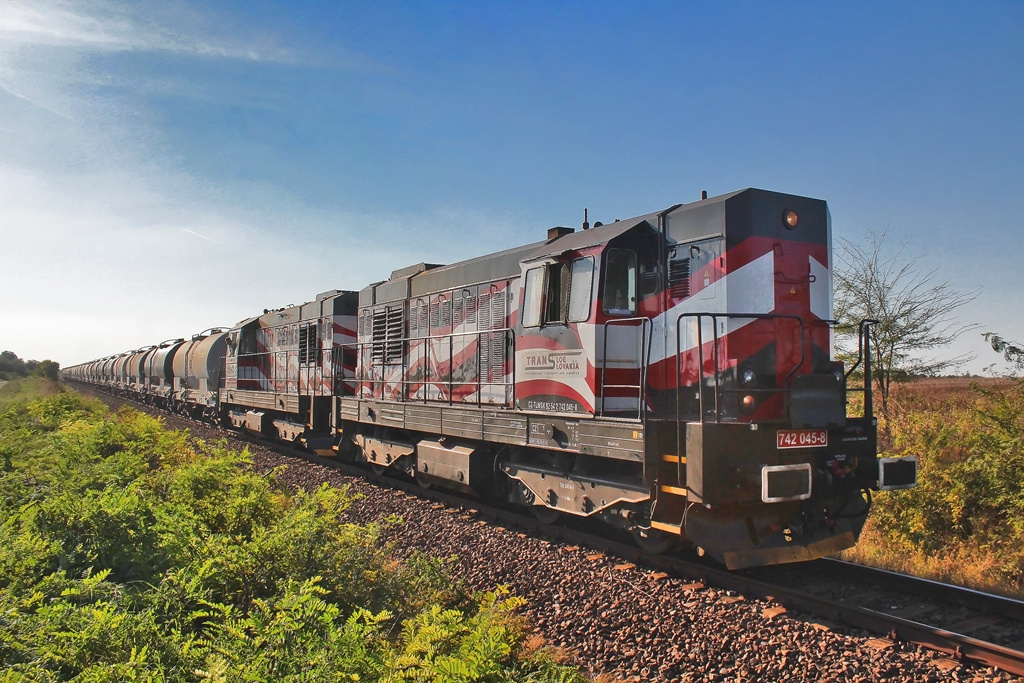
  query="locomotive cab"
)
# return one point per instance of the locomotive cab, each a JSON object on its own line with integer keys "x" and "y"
{"x": 770, "y": 466}
{"x": 585, "y": 326}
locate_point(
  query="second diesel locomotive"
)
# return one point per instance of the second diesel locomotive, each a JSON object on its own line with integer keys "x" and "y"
{"x": 671, "y": 374}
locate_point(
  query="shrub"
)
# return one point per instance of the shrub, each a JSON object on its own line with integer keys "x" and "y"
{"x": 965, "y": 519}
{"x": 130, "y": 553}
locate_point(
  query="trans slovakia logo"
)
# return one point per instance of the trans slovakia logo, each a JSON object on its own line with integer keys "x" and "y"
{"x": 555, "y": 362}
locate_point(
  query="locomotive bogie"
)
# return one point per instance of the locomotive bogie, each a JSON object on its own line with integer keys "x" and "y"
{"x": 573, "y": 492}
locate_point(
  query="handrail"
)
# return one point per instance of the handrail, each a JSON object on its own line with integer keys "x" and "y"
{"x": 680, "y": 437}
{"x": 715, "y": 350}
{"x": 503, "y": 336}
{"x": 646, "y": 329}
{"x": 864, "y": 355}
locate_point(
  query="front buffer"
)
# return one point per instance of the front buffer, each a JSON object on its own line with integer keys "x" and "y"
{"x": 762, "y": 495}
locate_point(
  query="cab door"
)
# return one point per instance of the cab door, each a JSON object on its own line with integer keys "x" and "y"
{"x": 623, "y": 337}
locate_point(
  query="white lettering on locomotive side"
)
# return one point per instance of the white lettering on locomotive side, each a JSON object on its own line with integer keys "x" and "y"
{"x": 801, "y": 438}
{"x": 552, "y": 406}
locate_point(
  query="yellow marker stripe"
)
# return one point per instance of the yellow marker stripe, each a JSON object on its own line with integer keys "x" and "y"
{"x": 674, "y": 490}
{"x": 670, "y": 528}
{"x": 674, "y": 458}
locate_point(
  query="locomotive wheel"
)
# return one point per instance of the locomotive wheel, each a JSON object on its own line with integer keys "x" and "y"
{"x": 423, "y": 480}
{"x": 545, "y": 514}
{"x": 378, "y": 469}
{"x": 653, "y": 541}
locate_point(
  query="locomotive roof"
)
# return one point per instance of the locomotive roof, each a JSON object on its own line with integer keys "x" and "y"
{"x": 583, "y": 239}
{"x": 502, "y": 264}
{"x": 496, "y": 266}
{"x": 417, "y": 281}
{"x": 422, "y": 279}
{"x": 332, "y": 302}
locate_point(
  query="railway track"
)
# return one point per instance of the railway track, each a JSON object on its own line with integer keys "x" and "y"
{"x": 967, "y": 627}
{"x": 966, "y": 624}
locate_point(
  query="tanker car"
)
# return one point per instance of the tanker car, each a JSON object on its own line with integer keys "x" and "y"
{"x": 672, "y": 375}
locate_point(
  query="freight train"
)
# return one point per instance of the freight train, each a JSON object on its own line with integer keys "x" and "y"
{"x": 672, "y": 375}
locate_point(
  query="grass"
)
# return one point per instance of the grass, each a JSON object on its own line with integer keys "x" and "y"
{"x": 27, "y": 389}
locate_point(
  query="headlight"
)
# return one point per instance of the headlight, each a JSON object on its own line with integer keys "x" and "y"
{"x": 748, "y": 377}
{"x": 790, "y": 218}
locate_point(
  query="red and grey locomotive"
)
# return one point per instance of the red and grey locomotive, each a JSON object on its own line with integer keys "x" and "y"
{"x": 671, "y": 374}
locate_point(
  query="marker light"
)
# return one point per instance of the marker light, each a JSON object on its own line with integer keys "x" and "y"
{"x": 790, "y": 218}
{"x": 747, "y": 404}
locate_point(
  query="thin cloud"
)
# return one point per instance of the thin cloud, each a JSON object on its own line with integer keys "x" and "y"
{"x": 193, "y": 232}
{"x": 109, "y": 27}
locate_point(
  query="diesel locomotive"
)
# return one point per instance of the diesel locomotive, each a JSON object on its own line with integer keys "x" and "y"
{"x": 672, "y": 375}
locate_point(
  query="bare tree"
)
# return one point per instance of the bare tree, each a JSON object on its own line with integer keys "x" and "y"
{"x": 914, "y": 313}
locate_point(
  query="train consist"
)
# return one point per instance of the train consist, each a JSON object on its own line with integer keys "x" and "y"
{"x": 671, "y": 374}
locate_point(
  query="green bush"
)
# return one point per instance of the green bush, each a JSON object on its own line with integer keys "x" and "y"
{"x": 130, "y": 553}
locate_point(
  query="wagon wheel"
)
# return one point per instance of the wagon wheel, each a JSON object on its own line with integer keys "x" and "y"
{"x": 653, "y": 541}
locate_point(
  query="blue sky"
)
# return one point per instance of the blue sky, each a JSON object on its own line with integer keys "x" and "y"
{"x": 171, "y": 166}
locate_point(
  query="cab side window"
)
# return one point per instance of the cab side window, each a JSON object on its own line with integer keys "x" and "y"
{"x": 581, "y": 285}
{"x": 558, "y": 293}
{"x": 533, "y": 297}
{"x": 620, "y": 282}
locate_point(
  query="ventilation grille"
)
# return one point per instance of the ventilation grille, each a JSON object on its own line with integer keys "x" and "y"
{"x": 387, "y": 335}
{"x": 309, "y": 343}
{"x": 679, "y": 278}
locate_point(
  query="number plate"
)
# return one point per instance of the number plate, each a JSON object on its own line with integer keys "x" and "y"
{"x": 801, "y": 438}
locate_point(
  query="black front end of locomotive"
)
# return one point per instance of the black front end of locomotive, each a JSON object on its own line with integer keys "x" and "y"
{"x": 787, "y": 491}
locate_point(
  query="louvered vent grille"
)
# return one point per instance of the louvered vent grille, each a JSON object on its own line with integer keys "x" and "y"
{"x": 380, "y": 331}
{"x": 446, "y": 315}
{"x": 393, "y": 342}
{"x": 388, "y": 328}
{"x": 309, "y": 343}
{"x": 458, "y": 314}
{"x": 496, "y": 362}
{"x": 470, "y": 308}
{"x": 435, "y": 316}
{"x": 418, "y": 319}
{"x": 679, "y": 278}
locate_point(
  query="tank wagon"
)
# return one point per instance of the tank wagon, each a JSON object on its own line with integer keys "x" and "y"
{"x": 672, "y": 375}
